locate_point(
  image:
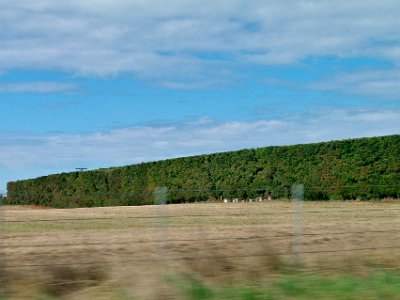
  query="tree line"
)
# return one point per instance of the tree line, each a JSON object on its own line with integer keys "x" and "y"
{"x": 366, "y": 168}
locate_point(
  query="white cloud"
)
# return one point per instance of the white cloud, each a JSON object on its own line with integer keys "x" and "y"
{"x": 382, "y": 84}
{"x": 160, "y": 41}
{"x": 36, "y": 87}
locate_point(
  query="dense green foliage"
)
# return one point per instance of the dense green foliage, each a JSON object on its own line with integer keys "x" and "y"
{"x": 367, "y": 168}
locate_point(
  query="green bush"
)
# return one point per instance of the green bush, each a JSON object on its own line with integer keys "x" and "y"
{"x": 367, "y": 168}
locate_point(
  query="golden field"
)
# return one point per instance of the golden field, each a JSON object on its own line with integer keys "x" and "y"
{"x": 144, "y": 252}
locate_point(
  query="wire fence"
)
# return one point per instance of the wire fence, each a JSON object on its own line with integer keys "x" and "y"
{"x": 227, "y": 235}
{"x": 125, "y": 196}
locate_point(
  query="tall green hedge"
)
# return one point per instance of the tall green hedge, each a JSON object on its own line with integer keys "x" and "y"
{"x": 367, "y": 168}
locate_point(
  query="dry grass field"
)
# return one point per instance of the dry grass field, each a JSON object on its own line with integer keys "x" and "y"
{"x": 147, "y": 252}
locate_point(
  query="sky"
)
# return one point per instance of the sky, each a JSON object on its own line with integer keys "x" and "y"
{"x": 100, "y": 83}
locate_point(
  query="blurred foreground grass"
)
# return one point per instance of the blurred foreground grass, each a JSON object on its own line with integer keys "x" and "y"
{"x": 380, "y": 285}
{"x": 377, "y": 285}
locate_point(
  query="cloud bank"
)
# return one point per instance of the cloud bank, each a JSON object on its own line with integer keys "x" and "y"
{"x": 178, "y": 43}
{"x": 137, "y": 144}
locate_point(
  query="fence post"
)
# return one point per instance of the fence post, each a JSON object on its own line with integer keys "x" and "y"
{"x": 298, "y": 216}
{"x": 160, "y": 196}
{"x": 160, "y": 199}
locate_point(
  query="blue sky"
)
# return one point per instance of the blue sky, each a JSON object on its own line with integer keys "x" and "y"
{"x": 105, "y": 83}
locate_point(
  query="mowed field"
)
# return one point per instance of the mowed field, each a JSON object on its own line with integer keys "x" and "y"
{"x": 147, "y": 252}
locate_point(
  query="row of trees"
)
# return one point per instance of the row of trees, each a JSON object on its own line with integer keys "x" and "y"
{"x": 367, "y": 168}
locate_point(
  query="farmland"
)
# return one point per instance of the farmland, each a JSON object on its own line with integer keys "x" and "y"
{"x": 150, "y": 251}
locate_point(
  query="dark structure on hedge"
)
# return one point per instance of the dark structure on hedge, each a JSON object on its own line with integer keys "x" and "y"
{"x": 367, "y": 168}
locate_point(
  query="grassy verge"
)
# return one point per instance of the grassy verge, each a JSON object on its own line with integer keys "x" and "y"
{"x": 380, "y": 285}
{"x": 94, "y": 284}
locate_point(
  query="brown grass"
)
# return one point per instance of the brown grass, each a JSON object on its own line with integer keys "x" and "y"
{"x": 118, "y": 252}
